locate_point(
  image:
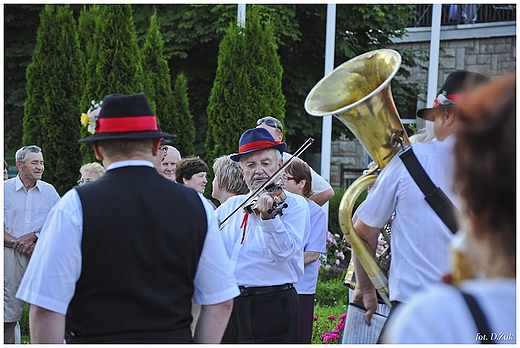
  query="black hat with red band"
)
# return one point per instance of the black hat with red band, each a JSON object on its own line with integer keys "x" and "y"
{"x": 457, "y": 84}
{"x": 126, "y": 117}
{"x": 257, "y": 139}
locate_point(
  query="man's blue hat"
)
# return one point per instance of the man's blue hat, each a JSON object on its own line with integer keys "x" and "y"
{"x": 256, "y": 139}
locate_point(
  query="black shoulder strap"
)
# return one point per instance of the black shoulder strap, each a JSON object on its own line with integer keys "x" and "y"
{"x": 479, "y": 317}
{"x": 435, "y": 197}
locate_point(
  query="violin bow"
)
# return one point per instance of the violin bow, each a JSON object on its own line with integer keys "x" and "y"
{"x": 257, "y": 192}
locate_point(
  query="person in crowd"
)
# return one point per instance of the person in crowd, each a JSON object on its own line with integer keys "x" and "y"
{"x": 6, "y": 170}
{"x": 485, "y": 183}
{"x": 265, "y": 247}
{"x": 192, "y": 172}
{"x": 27, "y": 202}
{"x": 321, "y": 191}
{"x": 90, "y": 172}
{"x": 228, "y": 180}
{"x": 111, "y": 267}
{"x": 420, "y": 239}
{"x": 169, "y": 163}
{"x": 297, "y": 179}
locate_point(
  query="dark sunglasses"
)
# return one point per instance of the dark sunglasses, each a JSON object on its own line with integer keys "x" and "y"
{"x": 270, "y": 123}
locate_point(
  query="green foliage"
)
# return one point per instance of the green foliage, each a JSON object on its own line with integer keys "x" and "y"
{"x": 247, "y": 84}
{"x": 331, "y": 292}
{"x": 114, "y": 66}
{"x": 157, "y": 76}
{"x": 185, "y": 130}
{"x": 20, "y": 24}
{"x": 54, "y": 84}
{"x": 192, "y": 34}
{"x": 24, "y": 321}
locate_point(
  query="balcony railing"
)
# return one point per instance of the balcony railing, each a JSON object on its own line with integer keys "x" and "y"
{"x": 465, "y": 14}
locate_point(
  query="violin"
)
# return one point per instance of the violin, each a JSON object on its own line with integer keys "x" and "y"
{"x": 277, "y": 194}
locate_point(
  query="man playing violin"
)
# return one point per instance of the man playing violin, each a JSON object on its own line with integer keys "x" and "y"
{"x": 266, "y": 249}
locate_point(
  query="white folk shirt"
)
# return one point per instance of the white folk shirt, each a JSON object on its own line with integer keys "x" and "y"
{"x": 25, "y": 211}
{"x": 420, "y": 240}
{"x": 318, "y": 183}
{"x": 271, "y": 252}
{"x": 315, "y": 242}
{"x": 55, "y": 266}
{"x": 440, "y": 314}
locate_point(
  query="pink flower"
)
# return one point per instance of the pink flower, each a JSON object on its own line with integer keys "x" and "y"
{"x": 331, "y": 317}
{"x": 340, "y": 255}
{"x": 335, "y": 331}
{"x": 343, "y": 316}
{"x": 326, "y": 337}
{"x": 341, "y": 325}
{"x": 334, "y": 336}
{"x": 327, "y": 266}
{"x": 337, "y": 262}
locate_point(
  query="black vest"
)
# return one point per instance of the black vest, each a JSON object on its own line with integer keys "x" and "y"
{"x": 142, "y": 239}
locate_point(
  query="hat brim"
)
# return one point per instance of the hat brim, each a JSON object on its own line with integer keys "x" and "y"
{"x": 127, "y": 136}
{"x": 166, "y": 142}
{"x": 428, "y": 114}
{"x": 280, "y": 147}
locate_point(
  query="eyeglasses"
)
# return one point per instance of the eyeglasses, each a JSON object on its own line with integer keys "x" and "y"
{"x": 287, "y": 178}
{"x": 270, "y": 122}
{"x": 81, "y": 181}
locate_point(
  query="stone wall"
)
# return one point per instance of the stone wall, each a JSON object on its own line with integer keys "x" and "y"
{"x": 492, "y": 56}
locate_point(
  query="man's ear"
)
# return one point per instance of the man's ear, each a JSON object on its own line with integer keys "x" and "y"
{"x": 449, "y": 116}
{"x": 99, "y": 156}
{"x": 155, "y": 146}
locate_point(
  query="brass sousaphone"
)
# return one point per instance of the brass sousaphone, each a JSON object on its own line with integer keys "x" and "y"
{"x": 358, "y": 94}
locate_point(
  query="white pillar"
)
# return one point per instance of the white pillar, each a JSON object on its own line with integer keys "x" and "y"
{"x": 241, "y": 17}
{"x": 326, "y": 133}
{"x": 433, "y": 67}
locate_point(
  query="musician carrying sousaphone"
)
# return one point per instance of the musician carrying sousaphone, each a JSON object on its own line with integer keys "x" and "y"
{"x": 416, "y": 185}
{"x": 420, "y": 238}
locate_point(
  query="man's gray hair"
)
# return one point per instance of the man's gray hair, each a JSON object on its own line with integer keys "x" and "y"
{"x": 21, "y": 154}
{"x": 171, "y": 148}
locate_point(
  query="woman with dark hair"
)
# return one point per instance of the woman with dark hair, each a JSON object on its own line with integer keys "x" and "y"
{"x": 481, "y": 308}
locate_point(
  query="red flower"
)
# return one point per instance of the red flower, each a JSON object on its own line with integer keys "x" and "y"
{"x": 314, "y": 318}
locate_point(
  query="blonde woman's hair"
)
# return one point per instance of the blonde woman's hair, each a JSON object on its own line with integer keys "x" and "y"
{"x": 93, "y": 167}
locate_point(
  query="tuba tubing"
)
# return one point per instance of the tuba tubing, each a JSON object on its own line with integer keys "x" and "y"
{"x": 358, "y": 93}
{"x": 359, "y": 247}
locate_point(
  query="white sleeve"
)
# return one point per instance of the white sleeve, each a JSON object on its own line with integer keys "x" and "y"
{"x": 55, "y": 266}
{"x": 215, "y": 280}
{"x": 319, "y": 184}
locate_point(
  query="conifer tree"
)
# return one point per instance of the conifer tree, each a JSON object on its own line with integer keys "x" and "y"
{"x": 86, "y": 29}
{"x": 158, "y": 87}
{"x": 247, "y": 86}
{"x": 114, "y": 66}
{"x": 186, "y": 128}
{"x": 54, "y": 82}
